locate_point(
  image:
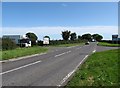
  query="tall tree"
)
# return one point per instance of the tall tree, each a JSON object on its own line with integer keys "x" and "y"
{"x": 32, "y": 37}
{"x": 0, "y": 43}
{"x": 87, "y": 37}
{"x": 79, "y": 37}
{"x": 73, "y": 36}
{"x": 47, "y": 37}
{"x": 66, "y": 34}
{"x": 97, "y": 37}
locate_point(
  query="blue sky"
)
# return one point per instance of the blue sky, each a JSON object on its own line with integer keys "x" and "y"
{"x": 50, "y": 18}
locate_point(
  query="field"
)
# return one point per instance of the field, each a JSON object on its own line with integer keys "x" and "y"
{"x": 22, "y": 52}
{"x": 108, "y": 44}
{"x": 100, "y": 69}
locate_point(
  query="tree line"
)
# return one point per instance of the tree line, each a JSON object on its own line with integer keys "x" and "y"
{"x": 67, "y": 36}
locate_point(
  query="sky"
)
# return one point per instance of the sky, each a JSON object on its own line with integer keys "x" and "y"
{"x": 51, "y": 18}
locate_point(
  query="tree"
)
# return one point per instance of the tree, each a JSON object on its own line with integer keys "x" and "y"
{"x": 0, "y": 43}
{"x": 87, "y": 37}
{"x": 79, "y": 37}
{"x": 97, "y": 37}
{"x": 66, "y": 35}
{"x": 73, "y": 36}
{"x": 32, "y": 37}
{"x": 47, "y": 37}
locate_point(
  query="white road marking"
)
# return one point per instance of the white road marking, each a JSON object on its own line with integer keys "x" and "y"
{"x": 19, "y": 67}
{"x": 66, "y": 77}
{"x": 81, "y": 62}
{"x": 68, "y": 52}
{"x": 62, "y": 54}
{"x": 94, "y": 51}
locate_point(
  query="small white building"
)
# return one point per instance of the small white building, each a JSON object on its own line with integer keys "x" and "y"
{"x": 46, "y": 41}
{"x": 21, "y": 40}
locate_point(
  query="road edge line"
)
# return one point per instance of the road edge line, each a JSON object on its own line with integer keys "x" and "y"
{"x": 71, "y": 73}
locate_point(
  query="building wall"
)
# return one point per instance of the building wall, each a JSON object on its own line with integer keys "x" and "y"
{"x": 15, "y": 38}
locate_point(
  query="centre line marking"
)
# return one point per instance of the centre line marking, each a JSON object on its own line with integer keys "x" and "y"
{"x": 62, "y": 54}
{"x": 68, "y": 52}
{"x": 19, "y": 67}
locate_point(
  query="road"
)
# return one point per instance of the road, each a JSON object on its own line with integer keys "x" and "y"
{"x": 50, "y": 69}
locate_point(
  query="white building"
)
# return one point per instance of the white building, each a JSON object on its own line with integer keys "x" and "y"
{"x": 46, "y": 41}
{"x": 21, "y": 40}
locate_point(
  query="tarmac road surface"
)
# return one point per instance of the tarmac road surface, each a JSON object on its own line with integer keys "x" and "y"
{"x": 51, "y": 69}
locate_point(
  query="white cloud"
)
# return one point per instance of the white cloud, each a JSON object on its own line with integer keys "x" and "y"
{"x": 64, "y": 5}
{"x": 55, "y": 32}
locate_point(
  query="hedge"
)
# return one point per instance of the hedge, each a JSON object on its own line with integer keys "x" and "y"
{"x": 8, "y": 44}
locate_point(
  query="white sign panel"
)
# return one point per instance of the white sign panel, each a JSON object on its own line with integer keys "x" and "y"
{"x": 45, "y": 40}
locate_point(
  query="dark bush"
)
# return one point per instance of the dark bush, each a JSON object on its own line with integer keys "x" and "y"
{"x": 58, "y": 42}
{"x": 110, "y": 41}
{"x": 8, "y": 44}
{"x": 40, "y": 43}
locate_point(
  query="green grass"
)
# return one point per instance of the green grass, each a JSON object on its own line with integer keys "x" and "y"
{"x": 69, "y": 45}
{"x": 0, "y": 55}
{"x": 19, "y": 52}
{"x": 100, "y": 69}
{"x": 108, "y": 44}
{"x": 22, "y": 52}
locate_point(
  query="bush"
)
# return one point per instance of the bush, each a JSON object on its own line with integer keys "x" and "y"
{"x": 0, "y": 43}
{"x": 40, "y": 43}
{"x": 110, "y": 41}
{"x": 8, "y": 44}
{"x": 58, "y": 42}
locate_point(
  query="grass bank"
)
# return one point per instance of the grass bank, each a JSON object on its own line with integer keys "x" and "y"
{"x": 22, "y": 52}
{"x": 0, "y": 55}
{"x": 108, "y": 44}
{"x": 100, "y": 69}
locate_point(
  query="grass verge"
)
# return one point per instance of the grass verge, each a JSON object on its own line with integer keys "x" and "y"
{"x": 0, "y": 54}
{"x": 22, "y": 52}
{"x": 108, "y": 44}
{"x": 100, "y": 69}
